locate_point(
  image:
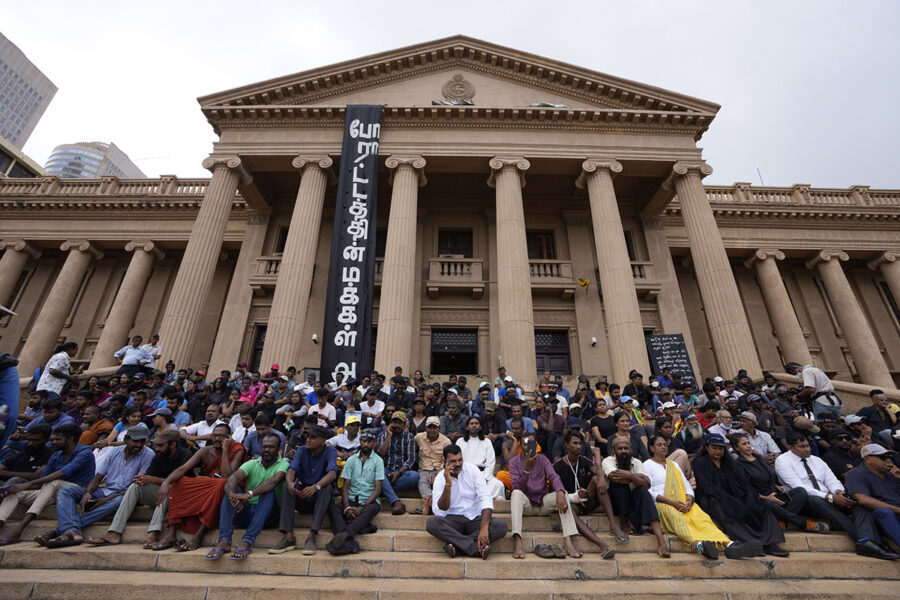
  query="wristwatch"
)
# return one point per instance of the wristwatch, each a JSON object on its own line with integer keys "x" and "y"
{"x": 318, "y": 487}
{"x": 250, "y": 493}
{"x": 830, "y": 498}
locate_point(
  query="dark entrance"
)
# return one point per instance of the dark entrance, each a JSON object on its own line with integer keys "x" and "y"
{"x": 454, "y": 351}
{"x": 259, "y": 340}
{"x": 552, "y": 351}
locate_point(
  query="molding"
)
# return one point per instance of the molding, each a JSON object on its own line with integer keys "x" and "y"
{"x": 147, "y": 246}
{"x": 824, "y": 256}
{"x": 416, "y": 162}
{"x": 82, "y": 246}
{"x": 761, "y": 255}
{"x": 501, "y": 163}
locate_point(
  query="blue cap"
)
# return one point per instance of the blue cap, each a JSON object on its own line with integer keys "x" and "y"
{"x": 715, "y": 439}
{"x": 574, "y": 423}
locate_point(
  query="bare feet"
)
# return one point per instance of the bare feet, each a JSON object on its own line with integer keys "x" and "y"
{"x": 220, "y": 549}
{"x": 662, "y": 551}
{"x": 570, "y": 548}
{"x": 518, "y": 551}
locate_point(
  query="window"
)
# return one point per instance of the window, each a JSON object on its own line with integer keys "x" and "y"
{"x": 455, "y": 242}
{"x": 454, "y": 351}
{"x": 892, "y": 302}
{"x": 281, "y": 240}
{"x": 541, "y": 245}
{"x": 629, "y": 244}
{"x": 380, "y": 241}
{"x": 552, "y": 351}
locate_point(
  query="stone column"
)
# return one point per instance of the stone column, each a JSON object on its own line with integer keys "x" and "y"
{"x": 781, "y": 311}
{"x": 398, "y": 294}
{"x": 291, "y": 299}
{"x": 731, "y": 338}
{"x": 887, "y": 263}
{"x": 516, "y": 315}
{"x": 48, "y": 325}
{"x": 625, "y": 332}
{"x": 125, "y": 306}
{"x": 869, "y": 363}
{"x": 227, "y": 347}
{"x": 187, "y": 299}
{"x": 13, "y": 263}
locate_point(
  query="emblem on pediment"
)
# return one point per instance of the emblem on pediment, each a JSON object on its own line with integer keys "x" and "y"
{"x": 458, "y": 88}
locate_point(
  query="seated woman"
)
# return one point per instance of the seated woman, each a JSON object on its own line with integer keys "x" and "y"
{"x": 479, "y": 451}
{"x": 722, "y": 491}
{"x": 678, "y": 514}
{"x": 784, "y": 504}
{"x": 624, "y": 429}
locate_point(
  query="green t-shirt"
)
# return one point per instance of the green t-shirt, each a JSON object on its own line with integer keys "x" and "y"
{"x": 257, "y": 473}
{"x": 362, "y": 476}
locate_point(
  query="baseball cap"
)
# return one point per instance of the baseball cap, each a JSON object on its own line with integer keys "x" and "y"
{"x": 351, "y": 419}
{"x": 432, "y": 421}
{"x": 369, "y": 433}
{"x": 836, "y": 432}
{"x": 137, "y": 433}
{"x": 804, "y": 424}
{"x": 242, "y": 364}
{"x": 718, "y": 379}
{"x": 754, "y": 398}
{"x": 574, "y": 423}
{"x": 490, "y": 405}
{"x": 508, "y": 379}
{"x": 668, "y": 405}
{"x": 714, "y": 439}
{"x": 873, "y": 450}
{"x": 161, "y": 411}
{"x": 484, "y": 384}
{"x": 399, "y": 414}
{"x": 275, "y": 366}
{"x": 752, "y": 418}
{"x": 166, "y": 436}
{"x": 851, "y": 419}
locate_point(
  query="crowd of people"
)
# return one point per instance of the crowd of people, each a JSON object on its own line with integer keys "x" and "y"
{"x": 726, "y": 467}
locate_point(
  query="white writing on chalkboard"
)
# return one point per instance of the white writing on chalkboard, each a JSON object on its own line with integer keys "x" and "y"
{"x": 669, "y": 351}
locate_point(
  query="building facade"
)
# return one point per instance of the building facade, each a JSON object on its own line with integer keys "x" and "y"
{"x": 490, "y": 213}
{"x": 25, "y": 93}
{"x": 88, "y": 160}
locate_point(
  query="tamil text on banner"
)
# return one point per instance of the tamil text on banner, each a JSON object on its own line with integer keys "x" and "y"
{"x": 347, "y": 334}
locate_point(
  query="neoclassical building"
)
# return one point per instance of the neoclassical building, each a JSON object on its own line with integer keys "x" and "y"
{"x": 504, "y": 179}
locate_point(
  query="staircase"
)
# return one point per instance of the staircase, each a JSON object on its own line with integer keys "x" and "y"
{"x": 402, "y": 561}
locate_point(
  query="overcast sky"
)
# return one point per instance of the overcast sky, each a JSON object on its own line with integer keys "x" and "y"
{"x": 809, "y": 90}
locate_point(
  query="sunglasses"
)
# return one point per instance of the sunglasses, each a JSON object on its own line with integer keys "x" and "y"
{"x": 881, "y": 456}
{"x": 842, "y": 437}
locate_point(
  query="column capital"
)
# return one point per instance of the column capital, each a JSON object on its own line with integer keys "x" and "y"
{"x": 415, "y": 162}
{"x": 682, "y": 168}
{"x": 597, "y": 165}
{"x": 302, "y": 162}
{"x": 824, "y": 256}
{"x": 762, "y": 254}
{"x": 500, "y": 163}
{"x": 147, "y": 246}
{"x": 21, "y": 246}
{"x": 232, "y": 163}
{"x": 888, "y": 256}
{"x": 83, "y": 246}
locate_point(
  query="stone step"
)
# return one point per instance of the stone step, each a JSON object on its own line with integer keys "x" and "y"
{"x": 406, "y": 540}
{"x": 50, "y": 584}
{"x": 431, "y": 565}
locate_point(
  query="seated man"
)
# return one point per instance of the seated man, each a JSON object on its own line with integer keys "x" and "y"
{"x": 841, "y": 455}
{"x": 194, "y": 502}
{"x": 453, "y": 422}
{"x": 629, "y": 493}
{"x": 512, "y": 447}
{"x": 347, "y": 443}
{"x": 463, "y": 508}
{"x": 761, "y": 442}
{"x": 116, "y": 470}
{"x": 71, "y": 464}
{"x": 310, "y": 490}
{"x": 27, "y": 464}
{"x": 876, "y": 489}
{"x": 363, "y": 475}
{"x": 397, "y": 448}
{"x": 531, "y": 473}
{"x": 198, "y": 434}
{"x": 478, "y": 451}
{"x": 169, "y": 456}
{"x": 256, "y": 505}
{"x": 586, "y": 487}
{"x": 431, "y": 444}
{"x": 263, "y": 427}
{"x": 95, "y": 426}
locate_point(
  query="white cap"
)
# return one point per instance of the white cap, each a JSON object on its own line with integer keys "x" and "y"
{"x": 718, "y": 379}
{"x": 668, "y": 405}
{"x": 655, "y": 384}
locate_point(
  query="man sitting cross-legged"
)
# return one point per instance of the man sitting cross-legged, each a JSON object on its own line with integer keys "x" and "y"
{"x": 629, "y": 493}
{"x": 71, "y": 464}
{"x": 169, "y": 456}
{"x": 194, "y": 502}
{"x": 463, "y": 508}
{"x": 257, "y": 505}
{"x": 586, "y": 487}
{"x": 363, "y": 475}
{"x": 116, "y": 470}
{"x": 310, "y": 484}
{"x": 530, "y": 473}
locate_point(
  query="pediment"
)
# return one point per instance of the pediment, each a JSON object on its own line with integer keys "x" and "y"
{"x": 443, "y": 69}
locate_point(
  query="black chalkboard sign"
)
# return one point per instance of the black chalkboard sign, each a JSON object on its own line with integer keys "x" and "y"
{"x": 670, "y": 351}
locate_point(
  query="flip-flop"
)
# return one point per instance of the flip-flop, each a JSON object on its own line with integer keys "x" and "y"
{"x": 184, "y": 546}
{"x": 63, "y": 541}
{"x": 43, "y": 538}
{"x": 558, "y": 552}
{"x": 544, "y": 551}
{"x": 100, "y": 542}
{"x": 216, "y": 553}
{"x": 158, "y": 546}
{"x": 415, "y": 511}
{"x": 622, "y": 538}
{"x": 8, "y": 541}
{"x": 241, "y": 554}
{"x": 608, "y": 554}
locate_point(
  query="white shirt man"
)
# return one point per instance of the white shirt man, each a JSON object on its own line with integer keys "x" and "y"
{"x": 201, "y": 428}
{"x": 154, "y": 349}
{"x": 792, "y": 473}
{"x": 132, "y": 355}
{"x": 468, "y": 496}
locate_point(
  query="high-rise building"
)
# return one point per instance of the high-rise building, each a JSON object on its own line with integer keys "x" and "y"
{"x": 25, "y": 93}
{"x": 90, "y": 160}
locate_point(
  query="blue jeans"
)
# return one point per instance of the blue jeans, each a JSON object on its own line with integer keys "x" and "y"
{"x": 253, "y": 516}
{"x": 9, "y": 402}
{"x": 404, "y": 482}
{"x": 818, "y": 409}
{"x": 888, "y": 522}
{"x": 67, "y": 515}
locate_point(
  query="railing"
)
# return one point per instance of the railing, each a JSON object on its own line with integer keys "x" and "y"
{"x": 642, "y": 271}
{"x": 167, "y": 185}
{"x": 547, "y": 270}
{"x": 456, "y": 270}
{"x": 268, "y": 266}
{"x": 798, "y": 195}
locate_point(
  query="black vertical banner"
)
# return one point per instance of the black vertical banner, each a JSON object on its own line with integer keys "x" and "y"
{"x": 347, "y": 334}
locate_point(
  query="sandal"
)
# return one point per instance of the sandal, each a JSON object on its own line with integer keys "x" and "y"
{"x": 544, "y": 551}
{"x": 216, "y": 553}
{"x": 241, "y": 554}
{"x": 183, "y": 545}
{"x": 63, "y": 541}
{"x": 8, "y": 541}
{"x": 160, "y": 546}
{"x": 46, "y": 537}
{"x": 558, "y": 552}
{"x": 622, "y": 538}
{"x": 608, "y": 554}
{"x": 100, "y": 542}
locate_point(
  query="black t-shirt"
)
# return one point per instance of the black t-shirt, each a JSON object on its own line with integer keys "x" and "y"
{"x": 875, "y": 419}
{"x": 20, "y": 462}
{"x": 162, "y": 466}
{"x": 582, "y": 469}
{"x": 559, "y": 450}
{"x": 840, "y": 463}
{"x": 605, "y": 425}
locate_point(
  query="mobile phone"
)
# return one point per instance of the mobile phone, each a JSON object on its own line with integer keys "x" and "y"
{"x": 531, "y": 447}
